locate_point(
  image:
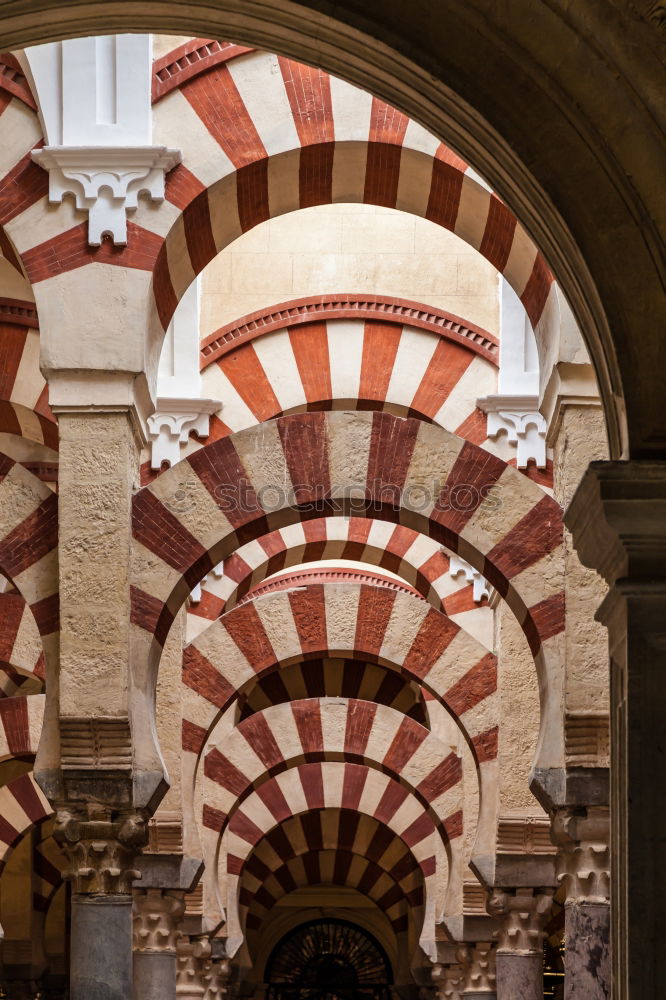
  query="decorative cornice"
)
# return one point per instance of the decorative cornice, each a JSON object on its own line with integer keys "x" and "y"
{"x": 364, "y": 307}
{"x": 19, "y": 313}
{"x": 524, "y": 425}
{"x": 617, "y": 518}
{"x": 587, "y": 740}
{"x": 13, "y": 81}
{"x": 87, "y": 171}
{"x": 317, "y": 576}
{"x": 196, "y": 56}
{"x": 480, "y": 586}
{"x": 521, "y": 835}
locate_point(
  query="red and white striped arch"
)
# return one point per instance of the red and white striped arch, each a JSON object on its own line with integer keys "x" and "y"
{"x": 416, "y": 558}
{"x": 316, "y": 729}
{"x": 21, "y": 650}
{"x": 328, "y": 677}
{"x": 369, "y": 623}
{"x": 331, "y": 785}
{"x": 338, "y": 847}
{"x": 28, "y": 545}
{"x": 208, "y": 505}
{"x": 262, "y": 135}
{"x": 21, "y": 721}
{"x": 22, "y": 805}
{"x": 24, "y": 407}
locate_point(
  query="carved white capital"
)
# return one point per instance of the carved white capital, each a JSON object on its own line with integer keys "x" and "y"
{"x": 157, "y": 914}
{"x": 171, "y": 424}
{"x": 525, "y": 427}
{"x": 217, "y": 572}
{"x": 448, "y": 981}
{"x": 480, "y": 586}
{"x": 106, "y": 181}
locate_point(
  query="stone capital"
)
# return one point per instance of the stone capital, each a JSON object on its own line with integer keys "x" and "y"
{"x": 194, "y": 968}
{"x": 100, "y": 848}
{"x": 521, "y": 915}
{"x": 170, "y": 426}
{"x": 519, "y": 418}
{"x": 447, "y": 980}
{"x": 477, "y": 962}
{"x": 617, "y": 518}
{"x": 583, "y": 861}
{"x": 104, "y": 391}
{"x": 156, "y": 919}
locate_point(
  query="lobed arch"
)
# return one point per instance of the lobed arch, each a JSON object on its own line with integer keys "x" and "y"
{"x": 181, "y": 532}
{"x": 370, "y": 795}
{"x": 416, "y": 558}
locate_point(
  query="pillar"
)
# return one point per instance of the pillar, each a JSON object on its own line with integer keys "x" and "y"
{"x": 478, "y": 979}
{"x": 582, "y": 836}
{"x": 618, "y": 522}
{"x": 100, "y": 852}
{"x": 157, "y": 916}
{"x": 521, "y": 915}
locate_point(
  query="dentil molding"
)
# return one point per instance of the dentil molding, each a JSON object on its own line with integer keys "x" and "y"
{"x": 106, "y": 181}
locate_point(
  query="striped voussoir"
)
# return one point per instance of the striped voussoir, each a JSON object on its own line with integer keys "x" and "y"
{"x": 298, "y": 467}
{"x": 21, "y": 650}
{"x": 266, "y": 135}
{"x": 419, "y": 560}
{"x": 22, "y": 805}
{"x": 329, "y": 785}
{"x": 334, "y": 847}
{"x": 336, "y": 678}
{"x": 413, "y": 772}
{"x": 372, "y": 624}
{"x": 20, "y": 725}
{"x": 24, "y": 407}
{"x": 351, "y": 364}
{"x": 48, "y": 862}
{"x": 13, "y": 81}
{"x": 28, "y": 544}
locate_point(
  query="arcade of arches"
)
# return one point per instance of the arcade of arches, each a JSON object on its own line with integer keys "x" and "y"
{"x": 328, "y": 467}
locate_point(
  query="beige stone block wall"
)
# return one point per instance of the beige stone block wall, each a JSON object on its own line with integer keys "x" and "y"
{"x": 348, "y": 249}
{"x": 519, "y": 712}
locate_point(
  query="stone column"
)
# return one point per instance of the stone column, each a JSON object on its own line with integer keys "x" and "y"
{"x": 521, "y": 915}
{"x": 584, "y": 869}
{"x": 618, "y": 522}
{"x": 477, "y": 961}
{"x": 157, "y": 915}
{"x": 100, "y": 852}
{"x": 194, "y": 976}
